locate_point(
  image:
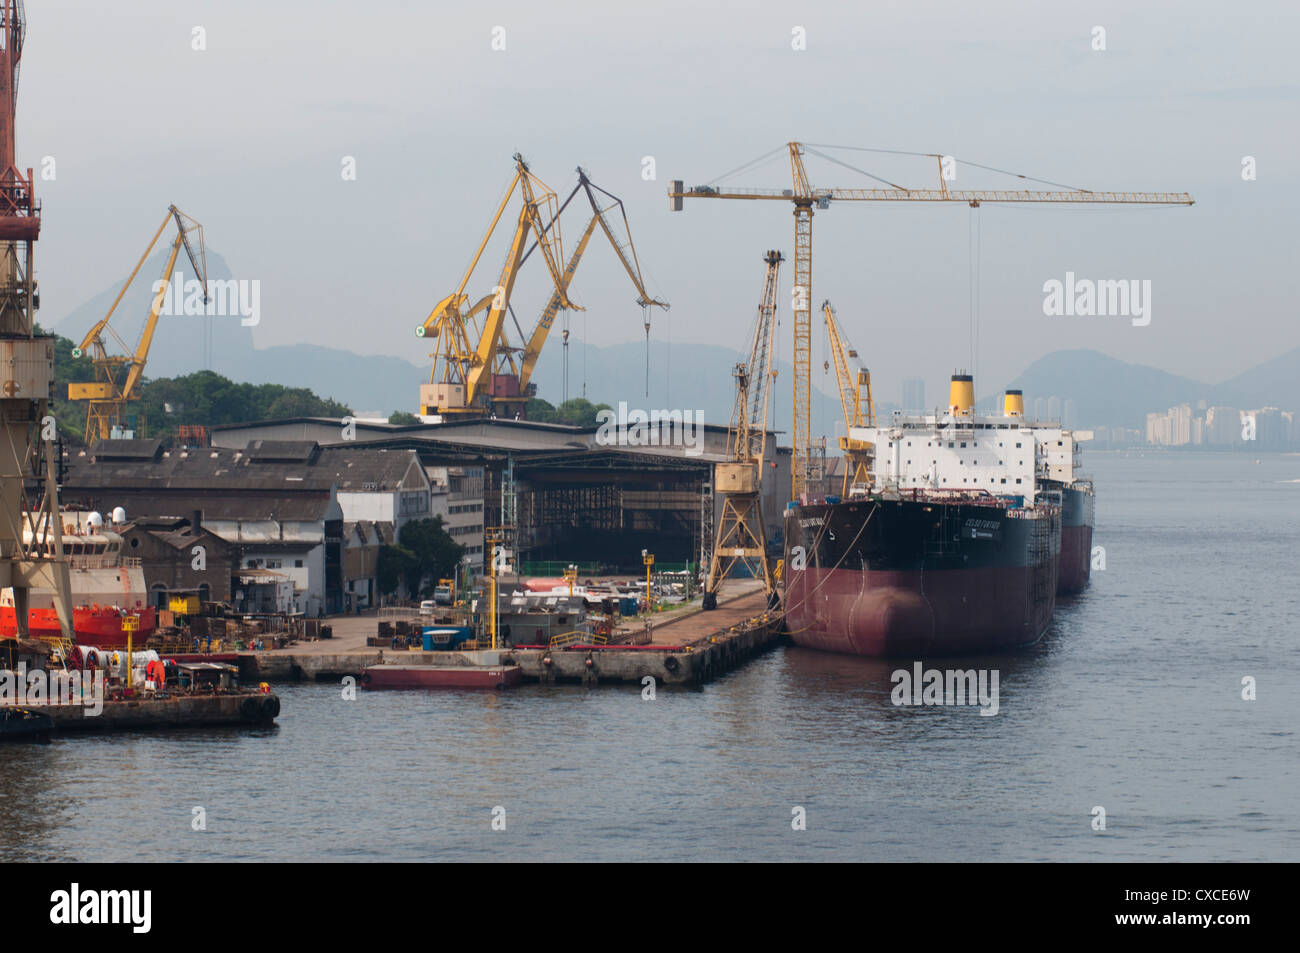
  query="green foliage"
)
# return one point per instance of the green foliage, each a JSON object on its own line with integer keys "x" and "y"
{"x": 401, "y": 418}
{"x": 204, "y": 397}
{"x": 434, "y": 553}
{"x": 576, "y": 412}
{"x": 207, "y": 398}
{"x": 394, "y": 564}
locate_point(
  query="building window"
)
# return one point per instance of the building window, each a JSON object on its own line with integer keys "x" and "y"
{"x": 297, "y": 564}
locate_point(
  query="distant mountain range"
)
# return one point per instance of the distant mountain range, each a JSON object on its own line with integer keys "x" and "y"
{"x": 1105, "y": 391}
{"x": 1113, "y": 393}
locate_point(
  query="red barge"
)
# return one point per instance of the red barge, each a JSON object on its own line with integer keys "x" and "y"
{"x": 442, "y": 676}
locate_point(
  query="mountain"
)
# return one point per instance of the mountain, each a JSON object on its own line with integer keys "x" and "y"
{"x": 682, "y": 376}
{"x": 1110, "y": 392}
{"x": 1274, "y": 383}
{"x": 685, "y": 376}
{"x": 1106, "y": 391}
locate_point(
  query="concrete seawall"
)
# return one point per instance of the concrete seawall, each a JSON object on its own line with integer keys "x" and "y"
{"x": 179, "y": 711}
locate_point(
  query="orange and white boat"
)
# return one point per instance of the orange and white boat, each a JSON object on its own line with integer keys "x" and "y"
{"x": 107, "y": 587}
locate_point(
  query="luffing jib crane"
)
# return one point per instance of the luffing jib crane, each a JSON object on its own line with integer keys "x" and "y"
{"x": 626, "y": 255}
{"x": 859, "y": 408}
{"x": 804, "y": 197}
{"x": 477, "y": 372}
{"x": 741, "y": 536}
{"x": 118, "y": 377}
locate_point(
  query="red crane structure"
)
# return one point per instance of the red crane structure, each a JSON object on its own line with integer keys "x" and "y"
{"x": 31, "y": 538}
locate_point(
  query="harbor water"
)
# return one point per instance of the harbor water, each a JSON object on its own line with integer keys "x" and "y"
{"x": 1132, "y": 703}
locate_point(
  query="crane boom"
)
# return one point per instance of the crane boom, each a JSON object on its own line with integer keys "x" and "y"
{"x": 118, "y": 377}
{"x": 855, "y": 398}
{"x": 533, "y": 350}
{"x": 461, "y": 379}
{"x": 626, "y": 253}
{"x": 804, "y": 197}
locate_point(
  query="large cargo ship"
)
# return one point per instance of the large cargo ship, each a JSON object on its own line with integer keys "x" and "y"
{"x": 953, "y": 547}
{"x": 106, "y": 588}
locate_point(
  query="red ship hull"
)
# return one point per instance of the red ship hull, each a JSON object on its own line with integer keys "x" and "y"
{"x": 100, "y": 626}
{"x": 915, "y": 614}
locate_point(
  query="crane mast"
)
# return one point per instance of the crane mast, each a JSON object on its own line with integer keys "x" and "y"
{"x": 741, "y": 538}
{"x": 805, "y": 198}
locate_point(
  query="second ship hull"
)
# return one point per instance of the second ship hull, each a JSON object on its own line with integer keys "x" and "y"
{"x": 924, "y": 575}
{"x": 1078, "y": 505}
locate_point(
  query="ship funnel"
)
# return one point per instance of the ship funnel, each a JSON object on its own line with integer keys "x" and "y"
{"x": 1013, "y": 403}
{"x": 961, "y": 395}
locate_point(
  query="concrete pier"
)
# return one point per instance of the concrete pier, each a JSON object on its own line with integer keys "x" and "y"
{"x": 688, "y": 647}
{"x": 177, "y": 711}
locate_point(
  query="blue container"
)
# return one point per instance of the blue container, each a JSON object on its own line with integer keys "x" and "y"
{"x": 445, "y": 636}
{"x": 627, "y": 605}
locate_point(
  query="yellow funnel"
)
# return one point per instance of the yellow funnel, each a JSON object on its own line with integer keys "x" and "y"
{"x": 961, "y": 395}
{"x": 1013, "y": 403}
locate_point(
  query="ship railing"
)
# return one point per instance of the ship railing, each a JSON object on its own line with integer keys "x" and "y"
{"x": 132, "y": 562}
{"x": 577, "y": 637}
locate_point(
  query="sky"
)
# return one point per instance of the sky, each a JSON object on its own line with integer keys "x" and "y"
{"x": 250, "y": 133}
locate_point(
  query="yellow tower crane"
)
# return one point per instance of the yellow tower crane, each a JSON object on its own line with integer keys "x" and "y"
{"x": 741, "y": 536}
{"x": 118, "y": 377}
{"x": 859, "y": 408}
{"x": 804, "y": 197}
{"x": 467, "y": 377}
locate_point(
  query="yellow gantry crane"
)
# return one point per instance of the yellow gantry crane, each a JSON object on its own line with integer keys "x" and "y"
{"x": 467, "y": 377}
{"x": 804, "y": 197}
{"x": 626, "y": 254}
{"x": 859, "y": 408}
{"x": 741, "y": 536}
{"x": 118, "y": 377}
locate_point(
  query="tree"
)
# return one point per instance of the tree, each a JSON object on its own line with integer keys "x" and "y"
{"x": 394, "y": 565}
{"x": 576, "y": 412}
{"x": 435, "y": 554}
{"x": 401, "y": 418}
{"x": 579, "y": 412}
{"x": 539, "y": 410}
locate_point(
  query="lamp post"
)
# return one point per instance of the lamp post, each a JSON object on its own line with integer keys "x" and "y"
{"x": 648, "y": 558}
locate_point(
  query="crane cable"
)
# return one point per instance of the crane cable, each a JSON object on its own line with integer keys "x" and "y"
{"x": 973, "y": 250}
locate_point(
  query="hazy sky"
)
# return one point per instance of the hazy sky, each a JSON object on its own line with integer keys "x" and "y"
{"x": 248, "y": 136}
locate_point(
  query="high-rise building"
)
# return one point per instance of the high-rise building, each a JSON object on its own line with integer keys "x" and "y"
{"x": 914, "y": 394}
{"x": 1053, "y": 408}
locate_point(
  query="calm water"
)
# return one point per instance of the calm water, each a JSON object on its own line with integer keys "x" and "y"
{"x": 1132, "y": 702}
